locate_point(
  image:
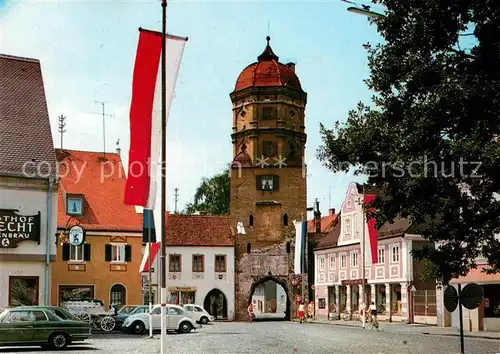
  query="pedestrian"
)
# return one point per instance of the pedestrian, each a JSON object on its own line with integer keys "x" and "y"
{"x": 310, "y": 310}
{"x": 300, "y": 312}
{"x": 250, "y": 312}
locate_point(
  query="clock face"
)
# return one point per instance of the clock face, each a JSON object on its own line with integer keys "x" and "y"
{"x": 76, "y": 235}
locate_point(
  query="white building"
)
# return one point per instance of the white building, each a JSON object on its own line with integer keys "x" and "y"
{"x": 200, "y": 261}
{"x": 269, "y": 297}
{"x": 28, "y": 189}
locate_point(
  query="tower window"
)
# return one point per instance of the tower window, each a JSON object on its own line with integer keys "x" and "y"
{"x": 268, "y": 113}
{"x": 267, "y": 182}
{"x": 269, "y": 148}
{"x": 250, "y": 220}
{"x": 249, "y": 247}
{"x": 285, "y": 219}
{"x": 288, "y": 247}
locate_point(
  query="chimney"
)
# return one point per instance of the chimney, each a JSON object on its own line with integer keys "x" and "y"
{"x": 291, "y": 66}
{"x": 118, "y": 150}
{"x": 317, "y": 218}
{"x": 331, "y": 211}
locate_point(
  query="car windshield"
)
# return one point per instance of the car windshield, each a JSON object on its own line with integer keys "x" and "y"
{"x": 127, "y": 309}
{"x": 64, "y": 314}
{"x": 140, "y": 309}
{"x": 3, "y": 314}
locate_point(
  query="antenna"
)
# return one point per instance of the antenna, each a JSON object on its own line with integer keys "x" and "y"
{"x": 268, "y": 28}
{"x": 104, "y": 115}
{"x": 176, "y": 198}
{"x": 329, "y": 197}
{"x": 61, "y": 126}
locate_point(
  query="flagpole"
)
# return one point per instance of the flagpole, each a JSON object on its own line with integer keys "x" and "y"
{"x": 163, "y": 291}
{"x": 150, "y": 223}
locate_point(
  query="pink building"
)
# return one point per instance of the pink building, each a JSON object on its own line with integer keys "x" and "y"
{"x": 393, "y": 283}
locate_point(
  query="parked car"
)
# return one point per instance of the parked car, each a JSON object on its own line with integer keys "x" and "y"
{"x": 32, "y": 325}
{"x": 198, "y": 313}
{"x": 128, "y": 310}
{"x": 177, "y": 320}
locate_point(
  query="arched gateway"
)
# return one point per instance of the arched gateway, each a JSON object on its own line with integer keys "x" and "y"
{"x": 216, "y": 304}
{"x": 268, "y": 184}
{"x": 279, "y": 304}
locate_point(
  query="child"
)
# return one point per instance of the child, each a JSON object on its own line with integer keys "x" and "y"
{"x": 301, "y": 312}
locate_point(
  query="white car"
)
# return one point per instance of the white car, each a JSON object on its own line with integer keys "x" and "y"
{"x": 177, "y": 320}
{"x": 198, "y": 313}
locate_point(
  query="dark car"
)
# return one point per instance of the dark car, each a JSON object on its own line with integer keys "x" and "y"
{"x": 33, "y": 325}
{"x": 128, "y": 310}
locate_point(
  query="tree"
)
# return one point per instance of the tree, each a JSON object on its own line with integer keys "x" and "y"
{"x": 429, "y": 142}
{"x": 212, "y": 196}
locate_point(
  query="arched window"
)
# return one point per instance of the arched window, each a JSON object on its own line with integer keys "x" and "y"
{"x": 288, "y": 247}
{"x": 117, "y": 296}
{"x": 250, "y": 220}
{"x": 249, "y": 247}
{"x": 285, "y": 219}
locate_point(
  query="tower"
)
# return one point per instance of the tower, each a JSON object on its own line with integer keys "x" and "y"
{"x": 268, "y": 181}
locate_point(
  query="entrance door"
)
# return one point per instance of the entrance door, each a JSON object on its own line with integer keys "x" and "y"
{"x": 215, "y": 303}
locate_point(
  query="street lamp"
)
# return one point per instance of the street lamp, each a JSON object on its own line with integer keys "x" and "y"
{"x": 363, "y": 255}
{"x": 365, "y": 12}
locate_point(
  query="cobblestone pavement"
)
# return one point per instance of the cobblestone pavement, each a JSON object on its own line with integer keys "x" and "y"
{"x": 281, "y": 337}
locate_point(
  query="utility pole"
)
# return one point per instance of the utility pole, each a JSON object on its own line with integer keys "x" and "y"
{"x": 61, "y": 125}
{"x": 104, "y": 115}
{"x": 363, "y": 255}
{"x": 176, "y": 197}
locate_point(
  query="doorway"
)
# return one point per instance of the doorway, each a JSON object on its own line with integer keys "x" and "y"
{"x": 216, "y": 304}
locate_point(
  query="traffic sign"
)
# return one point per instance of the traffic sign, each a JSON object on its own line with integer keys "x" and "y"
{"x": 471, "y": 296}
{"x": 450, "y": 298}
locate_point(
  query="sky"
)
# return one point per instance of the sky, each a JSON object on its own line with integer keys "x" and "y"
{"x": 87, "y": 51}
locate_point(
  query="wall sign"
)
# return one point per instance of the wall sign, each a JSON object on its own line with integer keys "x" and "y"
{"x": 16, "y": 228}
{"x": 76, "y": 235}
{"x": 352, "y": 282}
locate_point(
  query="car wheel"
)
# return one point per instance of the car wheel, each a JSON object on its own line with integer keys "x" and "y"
{"x": 185, "y": 327}
{"x": 58, "y": 341}
{"x": 138, "y": 327}
{"x": 204, "y": 320}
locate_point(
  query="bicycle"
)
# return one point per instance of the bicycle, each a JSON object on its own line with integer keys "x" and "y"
{"x": 373, "y": 323}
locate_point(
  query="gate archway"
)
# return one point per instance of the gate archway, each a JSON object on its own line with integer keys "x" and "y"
{"x": 216, "y": 304}
{"x": 271, "y": 304}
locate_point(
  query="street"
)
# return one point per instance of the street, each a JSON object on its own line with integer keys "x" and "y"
{"x": 281, "y": 337}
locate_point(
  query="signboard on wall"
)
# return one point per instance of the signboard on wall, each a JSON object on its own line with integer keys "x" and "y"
{"x": 16, "y": 228}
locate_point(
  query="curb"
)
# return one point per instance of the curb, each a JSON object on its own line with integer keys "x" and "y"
{"x": 409, "y": 332}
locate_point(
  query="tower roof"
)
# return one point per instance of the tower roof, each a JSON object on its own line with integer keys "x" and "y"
{"x": 267, "y": 72}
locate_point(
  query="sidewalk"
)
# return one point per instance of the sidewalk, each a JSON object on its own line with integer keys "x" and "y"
{"x": 412, "y": 328}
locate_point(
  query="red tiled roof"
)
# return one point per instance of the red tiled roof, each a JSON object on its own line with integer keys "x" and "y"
{"x": 199, "y": 230}
{"x": 267, "y": 71}
{"x": 24, "y": 120}
{"x": 326, "y": 223}
{"x": 102, "y": 184}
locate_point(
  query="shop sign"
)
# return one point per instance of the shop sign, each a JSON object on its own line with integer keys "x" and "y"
{"x": 185, "y": 289}
{"x": 15, "y": 228}
{"x": 352, "y": 282}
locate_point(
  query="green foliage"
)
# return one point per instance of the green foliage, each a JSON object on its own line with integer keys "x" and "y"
{"x": 212, "y": 196}
{"x": 429, "y": 140}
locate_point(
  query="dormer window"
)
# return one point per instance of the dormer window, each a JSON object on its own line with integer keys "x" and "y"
{"x": 74, "y": 206}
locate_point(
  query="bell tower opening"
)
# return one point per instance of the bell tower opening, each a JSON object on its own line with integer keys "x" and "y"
{"x": 268, "y": 186}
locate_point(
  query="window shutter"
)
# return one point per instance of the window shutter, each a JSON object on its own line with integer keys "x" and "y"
{"x": 276, "y": 182}
{"x": 65, "y": 251}
{"x": 258, "y": 181}
{"x": 107, "y": 253}
{"x": 86, "y": 252}
{"x": 128, "y": 253}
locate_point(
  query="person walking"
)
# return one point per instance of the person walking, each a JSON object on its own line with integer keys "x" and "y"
{"x": 250, "y": 312}
{"x": 300, "y": 312}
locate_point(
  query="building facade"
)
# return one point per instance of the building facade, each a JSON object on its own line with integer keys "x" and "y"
{"x": 268, "y": 184}
{"x": 392, "y": 283}
{"x": 200, "y": 263}
{"x": 28, "y": 185}
{"x": 105, "y": 264}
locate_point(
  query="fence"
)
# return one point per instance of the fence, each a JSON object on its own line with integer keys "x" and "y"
{"x": 424, "y": 306}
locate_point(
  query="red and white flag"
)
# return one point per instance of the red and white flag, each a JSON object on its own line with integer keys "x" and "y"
{"x": 145, "y": 113}
{"x": 372, "y": 247}
{"x": 149, "y": 258}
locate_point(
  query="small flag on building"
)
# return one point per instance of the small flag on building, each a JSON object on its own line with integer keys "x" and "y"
{"x": 148, "y": 258}
{"x": 300, "y": 247}
{"x": 372, "y": 248}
